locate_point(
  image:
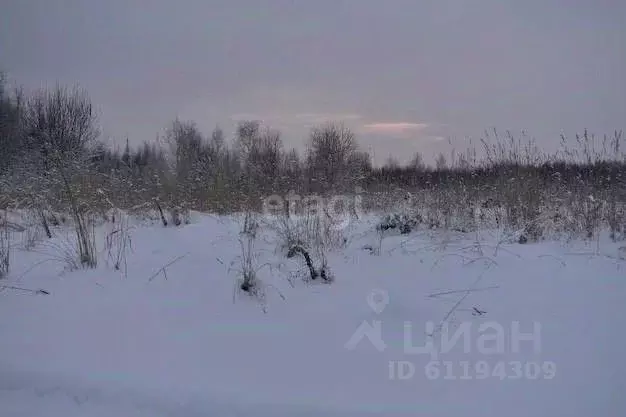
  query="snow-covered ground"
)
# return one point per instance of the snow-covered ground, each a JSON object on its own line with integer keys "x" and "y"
{"x": 185, "y": 343}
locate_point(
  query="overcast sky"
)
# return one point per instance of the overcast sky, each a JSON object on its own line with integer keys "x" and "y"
{"x": 406, "y": 75}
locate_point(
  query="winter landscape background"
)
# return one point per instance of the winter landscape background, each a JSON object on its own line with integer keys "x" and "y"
{"x": 292, "y": 208}
{"x": 216, "y": 277}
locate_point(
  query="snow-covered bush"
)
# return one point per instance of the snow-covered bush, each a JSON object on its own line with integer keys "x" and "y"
{"x": 310, "y": 236}
{"x": 322, "y": 271}
{"x": 179, "y": 216}
{"x": 403, "y": 223}
{"x": 309, "y": 230}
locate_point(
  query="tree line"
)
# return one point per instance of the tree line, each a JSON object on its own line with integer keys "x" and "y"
{"x": 52, "y": 158}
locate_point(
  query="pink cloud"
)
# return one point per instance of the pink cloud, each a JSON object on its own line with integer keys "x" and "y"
{"x": 396, "y": 129}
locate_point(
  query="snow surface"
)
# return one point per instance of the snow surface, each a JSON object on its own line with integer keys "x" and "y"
{"x": 185, "y": 343}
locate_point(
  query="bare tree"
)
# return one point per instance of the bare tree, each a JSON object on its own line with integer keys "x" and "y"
{"x": 59, "y": 128}
{"x": 417, "y": 162}
{"x": 260, "y": 151}
{"x": 61, "y": 124}
{"x": 330, "y": 149}
{"x": 440, "y": 162}
{"x": 217, "y": 140}
{"x": 186, "y": 145}
{"x": 185, "y": 142}
{"x": 11, "y": 107}
{"x": 267, "y": 156}
{"x": 391, "y": 163}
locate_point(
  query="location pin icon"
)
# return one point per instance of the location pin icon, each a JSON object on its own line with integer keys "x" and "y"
{"x": 378, "y": 300}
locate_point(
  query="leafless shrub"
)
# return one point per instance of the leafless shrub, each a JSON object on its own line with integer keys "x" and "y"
{"x": 250, "y": 226}
{"x": 44, "y": 223}
{"x": 86, "y": 239}
{"x": 321, "y": 272}
{"x": 309, "y": 236}
{"x": 248, "y": 281}
{"x": 74, "y": 249}
{"x": 118, "y": 241}
{"x": 62, "y": 249}
{"x": 616, "y": 218}
{"x": 291, "y": 230}
{"x": 176, "y": 216}
{"x": 60, "y": 125}
{"x": 33, "y": 232}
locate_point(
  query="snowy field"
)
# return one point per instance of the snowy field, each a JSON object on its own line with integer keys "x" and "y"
{"x": 539, "y": 328}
